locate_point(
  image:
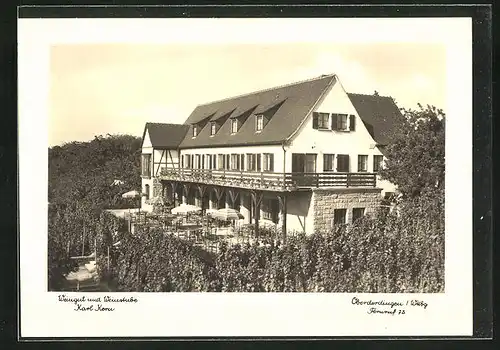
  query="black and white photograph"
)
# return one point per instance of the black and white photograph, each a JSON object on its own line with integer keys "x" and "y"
{"x": 303, "y": 186}
{"x": 231, "y": 162}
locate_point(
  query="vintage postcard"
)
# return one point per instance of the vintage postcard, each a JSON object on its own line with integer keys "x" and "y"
{"x": 245, "y": 177}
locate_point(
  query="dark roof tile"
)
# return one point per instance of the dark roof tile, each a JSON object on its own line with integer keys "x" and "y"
{"x": 165, "y": 135}
{"x": 293, "y": 102}
{"x": 380, "y": 114}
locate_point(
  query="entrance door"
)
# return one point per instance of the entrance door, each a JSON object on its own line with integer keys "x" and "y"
{"x": 303, "y": 168}
{"x": 298, "y": 162}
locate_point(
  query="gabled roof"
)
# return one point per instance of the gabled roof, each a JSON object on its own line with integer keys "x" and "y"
{"x": 379, "y": 114}
{"x": 296, "y": 100}
{"x": 165, "y": 136}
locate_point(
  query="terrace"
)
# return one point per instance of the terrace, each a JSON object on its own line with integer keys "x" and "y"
{"x": 202, "y": 231}
{"x": 271, "y": 181}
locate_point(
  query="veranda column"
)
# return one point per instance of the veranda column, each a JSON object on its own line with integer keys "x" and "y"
{"x": 283, "y": 211}
{"x": 245, "y": 207}
{"x": 184, "y": 195}
{"x": 211, "y": 202}
{"x": 227, "y": 199}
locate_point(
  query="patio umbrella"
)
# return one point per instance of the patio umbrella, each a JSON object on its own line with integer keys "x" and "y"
{"x": 226, "y": 214}
{"x": 185, "y": 209}
{"x": 131, "y": 194}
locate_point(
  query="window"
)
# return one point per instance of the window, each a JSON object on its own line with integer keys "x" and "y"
{"x": 339, "y": 216}
{"x": 235, "y": 161}
{"x": 253, "y": 162}
{"x": 208, "y": 161}
{"x": 213, "y": 128}
{"x": 242, "y": 162}
{"x": 328, "y": 160}
{"x": 195, "y": 130}
{"x": 191, "y": 162}
{"x": 146, "y": 165}
{"x": 259, "y": 122}
{"x": 342, "y": 122}
{"x": 323, "y": 120}
{"x": 357, "y": 213}
{"x": 146, "y": 192}
{"x": 310, "y": 165}
{"x": 234, "y": 126}
{"x": 268, "y": 162}
{"x": 377, "y": 163}
{"x": 226, "y": 163}
{"x": 220, "y": 161}
{"x": 187, "y": 161}
{"x": 343, "y": 163}
{"x": 214, "y": 161}
{"x": 339, "y": 122}
{"x": 362, "y": 163}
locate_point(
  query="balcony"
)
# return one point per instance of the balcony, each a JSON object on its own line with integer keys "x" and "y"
{"x": 269, "y": 180}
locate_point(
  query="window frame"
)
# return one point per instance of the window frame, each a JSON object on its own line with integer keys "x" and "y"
{"x": 234, "y": 122}
{"x": 146, "y": 164}
{"x": 331, "y": 157}
{"x": 354, "y": 218}
{"x": 220, "y": 161}
{"x": 361, "y": 158}
{"x": 307, "y": 158}
{"x": 268, "y": 162}
{"x": 342, "y": 122}
{"x": 335, "y": 217}
{"x": 213, "y": 128}
{"x": 259, "y": 117}
{"x": 195, "y": 130}
{"x": 322, "y": 123}
{"x": 377, "y": 166}
{"x": 344, "y": 157}
{"x": 235, "y": 161}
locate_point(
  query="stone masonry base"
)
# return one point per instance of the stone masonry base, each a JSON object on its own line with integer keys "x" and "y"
{"x": 325, "y": 201}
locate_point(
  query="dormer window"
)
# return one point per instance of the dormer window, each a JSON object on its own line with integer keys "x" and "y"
{"x": 195, "y": 130}
{"x": 213, "y": 128}
{"x": 259, "y": 125}
{"x": 234, "y": 126}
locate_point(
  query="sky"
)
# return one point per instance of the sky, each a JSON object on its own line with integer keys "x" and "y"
{"x": 96, "y": 89}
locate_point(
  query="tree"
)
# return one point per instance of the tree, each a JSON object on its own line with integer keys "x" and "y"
{"x": 416, "y": 153}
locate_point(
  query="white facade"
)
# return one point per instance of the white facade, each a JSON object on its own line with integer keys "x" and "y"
{"x": 306, "y": 140}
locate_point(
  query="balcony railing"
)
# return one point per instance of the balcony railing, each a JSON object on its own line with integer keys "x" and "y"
{"x": 270, "y": 180}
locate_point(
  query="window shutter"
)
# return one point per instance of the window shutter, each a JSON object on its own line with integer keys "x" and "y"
{"x": 315, "y": 120}
{"x": 352, "y": 122}
{"x": 259, "y": 158}
{"x": 271, "y": 161}
{"x": 334, "y": 121}
{"x": 242, "y": 162}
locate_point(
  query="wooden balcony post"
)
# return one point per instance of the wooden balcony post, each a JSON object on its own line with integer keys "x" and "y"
{"x": 261, "y": 179}
{"x": 348, "y": 179}
{"x": 283, "y": 212}
{"x": 317, "y": 179}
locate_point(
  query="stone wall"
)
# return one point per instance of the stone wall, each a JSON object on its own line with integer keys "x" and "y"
{"x": 325, "y": 201}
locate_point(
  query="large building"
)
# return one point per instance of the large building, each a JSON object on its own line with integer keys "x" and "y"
{"x": 301, "y": 156}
